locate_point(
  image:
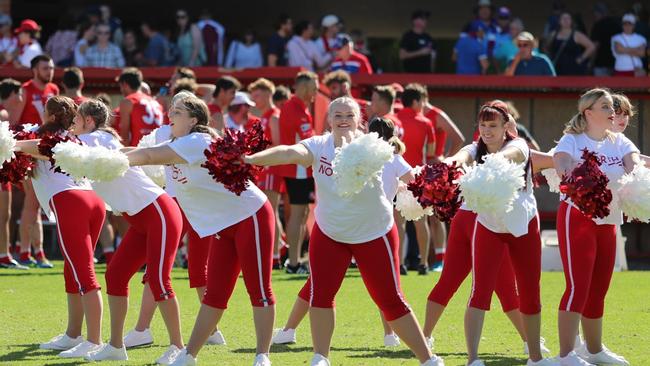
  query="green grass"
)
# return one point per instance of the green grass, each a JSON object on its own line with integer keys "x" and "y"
{"x": 33, "y": 309}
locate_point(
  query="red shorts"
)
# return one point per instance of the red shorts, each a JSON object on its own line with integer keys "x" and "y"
{"x": 268, "y": 181}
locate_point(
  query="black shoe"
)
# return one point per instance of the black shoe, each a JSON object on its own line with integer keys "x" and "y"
{"x": 423, "y": 270}
{"x": 297, "y": 269}
{"x": 403, "y": 270}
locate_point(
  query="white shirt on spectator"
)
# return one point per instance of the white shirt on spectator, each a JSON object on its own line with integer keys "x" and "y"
{"x": 28, "y": 52}
{"x": 79, "y": 55}
{"x": 8, "y": 44}
{"x": 304, "y": 53}
{"x": 242, "y": 56}
{"x": 626, "y": 62}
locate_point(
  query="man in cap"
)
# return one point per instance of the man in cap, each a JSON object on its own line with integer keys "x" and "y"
{"x": 348, "y": 59}
{"x": 28, "y": 46}
{"x": 330, "y": 27}
{"x": 416, "y": 47}
{"x": 526, "y": 62}
{"x": 238, "y": 117}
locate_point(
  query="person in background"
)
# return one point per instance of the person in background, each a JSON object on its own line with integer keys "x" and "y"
{"x": 239, "y": 117}
{"x": 484, "y": 12}
{"x": 526, "y": 62}
{"x": 416, "y": 48}
{"x": 139, "y": 113}
{"x": 360, "y": 42}
{"x": 628, "y": 48}
{"x": 60, "y": 45}
{"x": 605, "y": 27}
{"x": 569, "y": 48}
{"x": 224, "y": 93}
{"x": 330, "y": 27}
{"x": 347, "y": 59}
{"x": 339, "y": 84}
{"x": 28, "y": 47}
{"x": 86, "y": 36}
{"x": 188, "y": 41}
{"x": 104, "y": 53}
{"x": 157, "y": 52}
{"x": 506, "y": 47}
{"x": 73, "y": 82}
{"x": 301, "y": 50}
{"x": 117, "y": 35}
{"x": 553, "y": 21}
{"x": 213, "y": 34}
{"x": 281, "y": 95}
{"x": 470, "y": 52}
{"x": 132, "y": 52}
{"x": 245, "y": 52}
{"x": 8, "y": 43}
{"x": 277, "y": 45}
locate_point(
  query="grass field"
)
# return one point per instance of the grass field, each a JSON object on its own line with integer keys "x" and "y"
{"x": 32, "y": 310}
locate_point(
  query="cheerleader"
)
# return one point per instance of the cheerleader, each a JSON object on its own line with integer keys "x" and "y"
{"x": 516, "y": 232}
{"x": 624, "y": 111}
{"x": 79, "y": 214}
{"x": 343, "y": 231}
{"x": 241, "y": 227}
{"x": 152, "y": 238}
{"x": 197, "y": 258}
{"x": 588, "y": 246}
{"x": 394, "y": 171}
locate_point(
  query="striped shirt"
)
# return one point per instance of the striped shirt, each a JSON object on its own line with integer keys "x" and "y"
{"x": 110, "y": 56}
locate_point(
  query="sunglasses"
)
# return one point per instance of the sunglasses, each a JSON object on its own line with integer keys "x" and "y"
{"x": 523, "y": 45}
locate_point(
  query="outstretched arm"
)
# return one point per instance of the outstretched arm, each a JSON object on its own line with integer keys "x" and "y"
{"x": 157, "y": 155}
{"x": 30, "y": 147}
{"x": 280, "y": 155}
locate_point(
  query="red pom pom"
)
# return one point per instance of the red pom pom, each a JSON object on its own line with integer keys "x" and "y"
{"x": 587, "y": 187}
{"x": 49, "y": 140}
{"x": 15, "y": 170}
{"x": 436, "y": 185}
{"x": 223, "y": 157}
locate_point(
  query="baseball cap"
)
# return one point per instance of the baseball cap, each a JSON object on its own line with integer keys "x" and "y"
{"x": 342, "y": 40}
{"x": 525, "y": 37}
{"x": 330, "y": 20}
{"x": 5, "y": 19}
{"x": 503, "y": 12}
{"x": 629, "y": 18}
{"x": 28, "y": 25}
{"x": 242, "y": 98}
{"x": 420, "y": 14}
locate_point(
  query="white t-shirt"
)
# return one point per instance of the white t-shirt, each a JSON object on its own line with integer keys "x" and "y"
{"x": 129, "y": 193}
{"x": 393, "y": 171}
{"x": 611, "y": 152}
{"x": 162, "y": 135}
{"x": 47, "y": 183}
{"x": 354, "y": 220}
{"x": 524, "y": 207}
{"x": 29, "y": 51}
{"x": 627, "y": 62}
{"x": 208, "y": 205}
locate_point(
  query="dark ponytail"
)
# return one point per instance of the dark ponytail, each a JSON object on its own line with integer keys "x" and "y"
{"x": 385, "y": 128}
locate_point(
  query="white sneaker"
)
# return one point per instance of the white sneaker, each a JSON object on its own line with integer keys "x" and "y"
{"x": 216, "y": 339}
{"x": 262, "y": 359}
{"x": 135, "y": 338}
{"x": 604, "y": 357}
{"x": 108, "y": 353}
{"x": 62, "y": 342}
{"x": 543, "y": 362}
{"x": 319, "y": 360}
{"x": 572, "y": 359}
{"x": 430, "y": 341}
{"x": 184, "y": 359}
{"x": 169, "y": 356}
{"x": 391, "y": 340}
{"x": 434, "y": 361}
{"x": 81, "y": 350}
{"x": 542, "y": 346}
{"x": 477, "y": 363}
{"x": 284, "y": 336}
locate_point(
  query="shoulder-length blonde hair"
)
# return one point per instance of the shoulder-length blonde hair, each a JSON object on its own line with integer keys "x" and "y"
{"x": 578, "y": 123}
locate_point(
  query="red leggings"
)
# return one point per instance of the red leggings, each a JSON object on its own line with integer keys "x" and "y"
{"x": 378, "y": 262}
{"x": 458, "y": 264}
{"x": 490, "y": 250}
{"x": 246, "y": 246}
{"x": 197, "y": 254}
{"x": 588, "y": 253}
{"x": 152, "y": 239}
{"x": 79, "y": 218}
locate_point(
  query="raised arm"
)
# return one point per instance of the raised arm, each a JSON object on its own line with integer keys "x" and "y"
{"x": 157, "y": 155}
{"x": 282, "y": 154}
{"x": 541, "y": 160}
{"x": 461, "y": 157}
{"x": 30, "y": 147}
{"x": 563, "y": 163}
{"x": 513, "y": 154}
{"x": 630, "y": 160}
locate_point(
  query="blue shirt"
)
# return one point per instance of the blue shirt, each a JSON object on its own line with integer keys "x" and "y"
{"x": 157, "y": 49}
{"x": 469, "y": 52}
{"x": 538, "y": 65}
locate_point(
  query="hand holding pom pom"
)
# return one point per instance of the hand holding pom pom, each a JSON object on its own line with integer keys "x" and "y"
{"x": 49, "y": 141}
{"x": 587, "y": 187}
{"x": 7, "y": 142}
{"x": 359, "y": 163}
{"x": 15, "y": 170}
{"x": 436, "y": 186}
{"x": 409, "y": 207}
{"x": 155, "y": 172}
{"x": 95, "y": 163}
{"x": 634, "y": 194}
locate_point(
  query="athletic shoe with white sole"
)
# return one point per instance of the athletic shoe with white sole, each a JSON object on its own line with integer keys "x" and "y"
{"x": 184, "y": 359}
{"x": 391, "y": 340}
{"x": 169, "y": 356}
{"x": 477, "y": 363}
{"x": 135, "y": 338}
{"x": 604, "y": 357}
{"x": 284, "y": 336}
{"x": 319, "y": 360}
{"x": 542, "y": 346}
{"x": 108, "y": 353}
{"x": 12, "y": 264}
{"x": 434, "y": 361}
{"x": 262, "y": 359}
{"x": 61, "y": 343}
{"x": 81, "y": 350}
{"x": 430, "y": 341}
{"x": 216, "y": 339}
{"x": 572, "y": 359}
{"x": 543, "y": 362}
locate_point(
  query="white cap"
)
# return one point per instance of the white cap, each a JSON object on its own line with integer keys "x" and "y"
{"x": 629, "y": 18}
{"x": 330, "y": 20}
{"x": 242, "y": 98}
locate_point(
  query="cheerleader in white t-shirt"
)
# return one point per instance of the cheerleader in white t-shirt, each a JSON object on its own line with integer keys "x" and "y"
{"x": 152, "y": 238}
{"x": 361, "y": 226}
{"x": 242, "y": 227}
{"x": 588, "y": 246}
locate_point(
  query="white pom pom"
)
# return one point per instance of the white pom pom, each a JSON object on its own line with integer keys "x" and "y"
{"x": 7, "y": 143}
{"x": 359, "y": 163}
{"x": 491, "y": 187}
{"x": 95, "y": 163}
{"x": 552, "y": 179}
{"x": 409, "y": 207}
{"x": 634, "y": 194}
{"x": 155, "y": 172}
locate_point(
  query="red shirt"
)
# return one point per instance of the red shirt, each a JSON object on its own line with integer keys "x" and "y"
{"x": 35, "y": 100}
{"x": 296, "y": 124}
{"x": 441, "y": 135}
{"x": 79, "y": 100}
{"x": 357, "y": 63}
{"x": 116, "y": 119}
{"x": 213, "y": 108}
{"x": 363, "y": 107}
{"x": 266, "y": 120}
{"x": 399, "y": 128}
{"x": 418, "y": 132}
{"x": 146, "y": 115}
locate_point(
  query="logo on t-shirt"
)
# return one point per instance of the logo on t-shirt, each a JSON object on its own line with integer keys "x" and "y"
{"x": 177, "y": 175}
{"x": 325, "y": 167}
{"x": 305, "y": 126}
